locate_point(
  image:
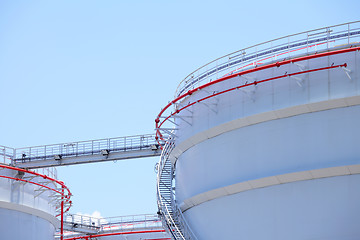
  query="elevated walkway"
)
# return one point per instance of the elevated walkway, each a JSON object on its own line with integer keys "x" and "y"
{"x": 109, "y": 149}
{"x": 76, "y": 225}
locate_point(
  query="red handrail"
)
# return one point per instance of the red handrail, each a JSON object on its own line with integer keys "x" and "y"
{"x": 158, "y": 124}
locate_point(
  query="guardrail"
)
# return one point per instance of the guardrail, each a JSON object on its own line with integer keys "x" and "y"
{"x": 121, "y": 223}
{"x": 6, "y": 154}
{"x": 131, "y": 222}
{"x": 49, "y": 171}
{"x": 81, "y": 148}
{"x": 278, "y": 49}
{"x": 77, "y": 220}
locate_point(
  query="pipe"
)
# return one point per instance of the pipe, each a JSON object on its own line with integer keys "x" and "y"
{"x": 62, "y": 215}
{"x": 158, "y": 124}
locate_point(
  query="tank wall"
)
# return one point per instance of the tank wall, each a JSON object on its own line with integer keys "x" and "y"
{"x": 25, "y": 212}
{"x": 273, "y": 95}
{"x": 304, "y": 142}
{"x": 316, "y": 209}
{"x": 23, "y": 194}
{"x": 17, "y": 225}
{"x": 325, "y": 208}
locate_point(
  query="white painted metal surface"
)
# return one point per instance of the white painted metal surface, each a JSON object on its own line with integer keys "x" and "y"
{"x": 267, "y": 182}
{"x": 300, "y": 116}
{"x": 27, "y": 211}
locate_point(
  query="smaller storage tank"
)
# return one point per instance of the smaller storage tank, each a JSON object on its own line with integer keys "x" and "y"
{"x": 29, "y": 201}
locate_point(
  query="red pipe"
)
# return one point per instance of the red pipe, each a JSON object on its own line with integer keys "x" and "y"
{"x": 249, "y": 84}
{"x": 67, "y": 197}
{"x": 114, "y": 234}
{"x": 277, "y": 64}
{"x": 246, "y": 85}
{"x": 27, "y": 181}
{"x": 37, "y": 174}
{"x": 62, "y": 215}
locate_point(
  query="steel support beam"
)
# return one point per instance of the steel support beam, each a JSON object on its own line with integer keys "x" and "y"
{"x": 112, "y": 156}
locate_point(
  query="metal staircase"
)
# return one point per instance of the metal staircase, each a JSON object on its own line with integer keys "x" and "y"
{"x": 171, "y": 215}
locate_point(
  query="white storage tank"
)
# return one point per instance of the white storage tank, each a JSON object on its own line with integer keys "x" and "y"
{"x": 266, "y": 142}
{"x": 28, "y": 202}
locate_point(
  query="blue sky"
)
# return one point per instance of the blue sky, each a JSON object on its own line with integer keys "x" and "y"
{"x": 81, "y": 70}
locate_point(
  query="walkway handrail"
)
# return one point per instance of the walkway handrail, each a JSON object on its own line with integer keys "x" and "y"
{"x": 80, "y": 148}
{"x": 6, "y": 154}
{"x": 300, "y": 43}
{"x": 78, "y": 224}
{"x": 111, "y": 223}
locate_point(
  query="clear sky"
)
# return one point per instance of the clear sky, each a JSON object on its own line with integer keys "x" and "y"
{"x": 81, "y": 69}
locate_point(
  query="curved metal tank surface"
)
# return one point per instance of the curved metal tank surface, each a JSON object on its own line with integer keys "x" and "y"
{"x": 272, "y": 152}
{"x": 26, "y": 211}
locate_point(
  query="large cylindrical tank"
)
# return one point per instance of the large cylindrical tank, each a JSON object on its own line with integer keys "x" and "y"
{"x": 268, "y": 147}
{"x": 27, "y": 210}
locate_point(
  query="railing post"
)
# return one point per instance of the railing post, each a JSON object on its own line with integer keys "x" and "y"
{"x": 288, "y": 47}
{"x": 256, "y": 56}
{"x": 307, "y": 42}
{"x": 13, "y": 157}
{"x": 3, "y": 154}
{"x": 327, "y": 38}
